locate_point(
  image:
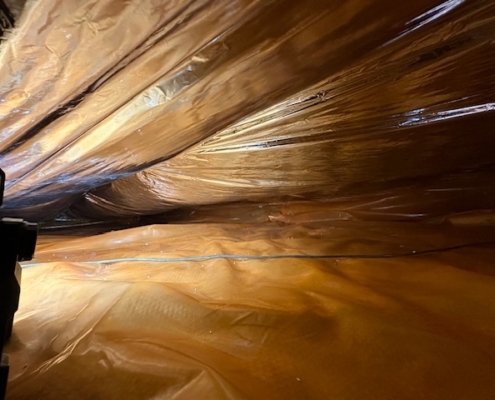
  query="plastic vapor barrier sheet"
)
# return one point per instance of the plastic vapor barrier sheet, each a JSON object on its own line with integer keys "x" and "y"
{"x": 306, "y": 189}
{"x": 141, "y": 107}
{"x": 346, "y": 310}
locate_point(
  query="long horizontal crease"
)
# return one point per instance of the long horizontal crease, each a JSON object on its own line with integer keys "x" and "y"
{"x": 277, "y": 256}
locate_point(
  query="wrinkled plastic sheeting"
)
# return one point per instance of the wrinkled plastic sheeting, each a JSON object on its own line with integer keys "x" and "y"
{"x": 15, "y": 7}
{"x": 310, "y": 311}
{"x": 258, "y": 98}
{"x": 400, "y": 112}
{"x": 429, "y": 198}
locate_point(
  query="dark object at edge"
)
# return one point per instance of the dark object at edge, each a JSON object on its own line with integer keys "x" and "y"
{"x": 6, "y": 19}
{"x": 18, "y": 241}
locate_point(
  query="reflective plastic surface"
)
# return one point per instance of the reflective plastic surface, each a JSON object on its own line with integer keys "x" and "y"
{"x": 347, "y": 310}
{"x": 243, "y": 99}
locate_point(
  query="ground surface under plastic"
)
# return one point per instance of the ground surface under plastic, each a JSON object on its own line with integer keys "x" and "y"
{"x": 222, "y": 311}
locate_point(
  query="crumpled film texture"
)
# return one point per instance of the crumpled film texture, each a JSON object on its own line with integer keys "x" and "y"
{"x": 229, "y": 312}
{"x": 416, "y": 107}
{"x": 257, "y": 98}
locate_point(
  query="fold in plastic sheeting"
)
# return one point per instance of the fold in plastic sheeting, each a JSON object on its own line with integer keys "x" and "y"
{"x": 311, "y": 311}
{"x": 222, "y": 101}
{"x": 380, "y": 120}
{"x": 370, "y": 109}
